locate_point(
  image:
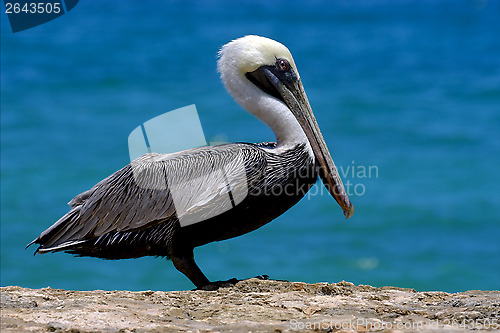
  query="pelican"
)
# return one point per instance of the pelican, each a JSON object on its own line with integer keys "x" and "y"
{"x": 132, "y": 213}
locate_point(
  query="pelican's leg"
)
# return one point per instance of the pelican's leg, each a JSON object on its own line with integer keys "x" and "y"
{"x": 186, "y": 265}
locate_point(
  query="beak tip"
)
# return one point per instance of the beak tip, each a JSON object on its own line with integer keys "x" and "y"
{"x": 348, "y": 212}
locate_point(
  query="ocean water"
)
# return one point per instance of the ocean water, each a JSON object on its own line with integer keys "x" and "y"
{"x": 407, "y": 94}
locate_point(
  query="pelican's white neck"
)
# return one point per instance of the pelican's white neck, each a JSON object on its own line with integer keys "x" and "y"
{"x": 267, "y": 108}
{"x": 273, "y": 112}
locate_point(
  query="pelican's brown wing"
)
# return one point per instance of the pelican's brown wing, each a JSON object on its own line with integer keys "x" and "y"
{"x": 183, "y": 187}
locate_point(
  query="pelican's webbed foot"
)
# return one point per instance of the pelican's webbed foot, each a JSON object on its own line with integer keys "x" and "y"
{"x": 228, "y": 283}
{"x": 212, "y": 286}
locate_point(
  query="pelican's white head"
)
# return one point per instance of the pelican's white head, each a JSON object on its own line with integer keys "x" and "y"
{"x": 262, "y": 77}
{"x": 246, "y": 54}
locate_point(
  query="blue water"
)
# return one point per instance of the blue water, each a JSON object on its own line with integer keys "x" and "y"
{"x": 407, "y": 95}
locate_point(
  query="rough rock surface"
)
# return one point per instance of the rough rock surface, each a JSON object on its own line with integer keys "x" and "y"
{"x": 249, "y": 306}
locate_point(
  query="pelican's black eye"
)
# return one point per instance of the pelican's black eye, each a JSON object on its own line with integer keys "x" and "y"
{"x": 283, "y": 65}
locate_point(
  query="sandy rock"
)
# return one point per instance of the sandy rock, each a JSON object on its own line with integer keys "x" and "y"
{"x": 250, "y": 306}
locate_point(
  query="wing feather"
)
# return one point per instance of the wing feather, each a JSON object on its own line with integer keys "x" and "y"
{"x": 155, "y": 188}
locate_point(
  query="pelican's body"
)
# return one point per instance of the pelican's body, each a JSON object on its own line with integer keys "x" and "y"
{"x": 132, "y": 214}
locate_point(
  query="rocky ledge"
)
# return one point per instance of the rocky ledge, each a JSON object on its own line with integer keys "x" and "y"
{"x": 250, "y": 306}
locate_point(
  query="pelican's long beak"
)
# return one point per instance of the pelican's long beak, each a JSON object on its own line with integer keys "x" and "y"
{"x": 296, "y": 99}
{"x": 288, "y": 88}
